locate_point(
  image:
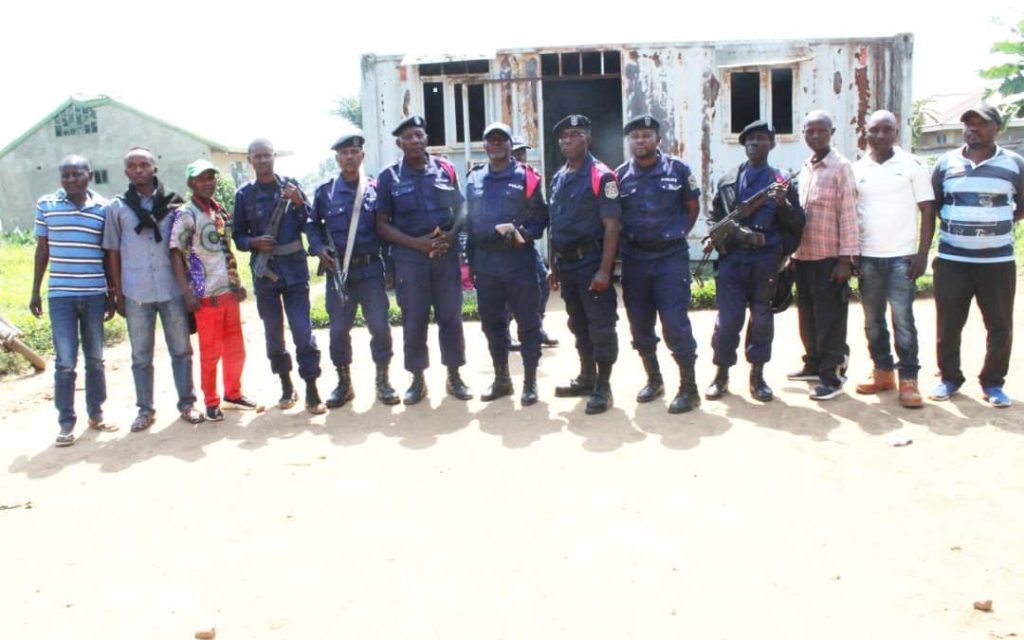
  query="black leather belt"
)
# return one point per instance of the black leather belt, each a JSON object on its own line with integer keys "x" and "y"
{"x": 976, "y": 199}
{"x": 575, "y": 253}
{"x": 363, "y": 260}
{"x": 654, "y": 245}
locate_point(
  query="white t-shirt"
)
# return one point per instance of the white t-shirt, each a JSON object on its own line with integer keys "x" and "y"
{"x": 887, "y": 197}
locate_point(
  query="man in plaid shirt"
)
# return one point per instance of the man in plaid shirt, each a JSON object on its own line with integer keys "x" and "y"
{"x": 825, "y": 259}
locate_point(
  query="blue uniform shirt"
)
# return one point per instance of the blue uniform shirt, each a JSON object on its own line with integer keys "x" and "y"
{"x": 496, "y": 198}
{"x": 749, "y": 181}
{"x": 418, "y": 201}
{"x": 333, "y": 204}
{"x": 254, "y": 205}
{"x": 577, "y": 211}
{"x": 654, "y": 206}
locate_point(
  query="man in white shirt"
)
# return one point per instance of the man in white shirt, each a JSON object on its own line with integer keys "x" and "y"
{"x": 894, "y": 201}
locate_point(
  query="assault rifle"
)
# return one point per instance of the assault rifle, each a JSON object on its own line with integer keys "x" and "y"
{"x": 729, "y": 227}
{"x": 336, "y": 276}
{"x": 261, "y": 266}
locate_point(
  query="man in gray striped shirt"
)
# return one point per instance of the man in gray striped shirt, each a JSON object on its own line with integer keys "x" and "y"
{"x": 69, "y": 235}
{"x": 979, "y": 190}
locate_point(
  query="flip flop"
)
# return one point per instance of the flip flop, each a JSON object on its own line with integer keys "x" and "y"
{"x": 65, "y": 440}
{"x": 143, "y": 422}
{"x": 192, "y": 416}
{"x": 100, "y": 425}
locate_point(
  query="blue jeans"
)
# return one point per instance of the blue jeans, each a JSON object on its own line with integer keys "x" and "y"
{"x": 70, "y": 316}
{"x": 884, "y": 280}
{"x": 142, "y": 332}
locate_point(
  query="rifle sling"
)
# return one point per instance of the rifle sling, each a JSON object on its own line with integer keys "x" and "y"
{"x": 357, "y": 210}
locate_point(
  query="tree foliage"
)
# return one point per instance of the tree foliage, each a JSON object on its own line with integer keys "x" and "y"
{"x": 1009, "y": 74}
{"x": 326, "y": 170}
{"x": 921, "y": 115}
{"x": 350, "y": 108}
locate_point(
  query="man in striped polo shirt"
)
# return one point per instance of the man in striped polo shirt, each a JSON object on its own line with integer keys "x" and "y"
{"x": 69, "y": 236}
{"x": 980, "y": 192}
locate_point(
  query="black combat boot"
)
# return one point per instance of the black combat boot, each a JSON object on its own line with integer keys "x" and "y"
{"x": 655, "y": 384}
{"x": 688, "y": 396}
{"x": 417, "y": 389}
{"x": 343, "y": 392}
{"x": 529, "y": 396}
{"x": 759, "y": 389}
{"x": 313, "y": 403}
{"x": 385, "y": 392}
{"x": 719, "y": 386}
{"x": 288, "y": 395}
{"x": 547, "y": 340}
{"x": 582, "y": 384}
{"x": 455, "y": 386}
{"x": 601, "y": 397}
{"x": 502, "y": 385}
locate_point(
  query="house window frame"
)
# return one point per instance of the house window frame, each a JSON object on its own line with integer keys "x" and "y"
{"x": 75, "y": 120}
{"x": 451, "y": 143}
{"x": 764, "y": 72}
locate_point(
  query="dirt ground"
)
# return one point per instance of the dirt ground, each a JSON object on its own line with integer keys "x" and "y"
{"x": 469, "y": 520}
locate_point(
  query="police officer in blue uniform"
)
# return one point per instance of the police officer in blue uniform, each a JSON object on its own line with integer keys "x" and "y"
{"x": 659, "y": 197}
{"x": 506, "y": 214}
{"x": 585, "y": 216}
{"x": 333, "y": 206}
{"x": 286, "y": 282}
{"x": 519, "y": 149}
{"x": 748, "y": 263}
{"x": 420, "y": 213}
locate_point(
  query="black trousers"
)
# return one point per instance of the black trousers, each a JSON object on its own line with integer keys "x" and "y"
{"x": 822, "y": 306}
{"x": 993, "y": 286}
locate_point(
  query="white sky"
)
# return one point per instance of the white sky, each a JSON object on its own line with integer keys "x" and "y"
{"x": 232, "y": 71}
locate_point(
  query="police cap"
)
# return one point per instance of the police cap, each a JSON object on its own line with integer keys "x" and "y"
{"x": 408, "y": 123}
{"x": 498, "y": 127}
{"x": 646, "y": 121}
{"x": 519, "y": 143}
{"x": 354, "y": 139}
{"x": 756, "y": 125}
{"x": 575, "y": 121}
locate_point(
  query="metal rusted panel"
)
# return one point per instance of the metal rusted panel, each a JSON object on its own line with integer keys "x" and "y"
{"x": 861, "y": 81}
{"x": 711, "y": 87}
{"x": 688, "y": 87}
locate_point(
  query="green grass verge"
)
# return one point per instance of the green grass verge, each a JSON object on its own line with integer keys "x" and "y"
{"x": 17, "y": 254}
{"x": 16, "y": 258}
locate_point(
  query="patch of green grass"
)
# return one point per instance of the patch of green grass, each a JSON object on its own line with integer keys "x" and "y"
{"x": 17, "y": 256}
{"x": 318, "y": 307}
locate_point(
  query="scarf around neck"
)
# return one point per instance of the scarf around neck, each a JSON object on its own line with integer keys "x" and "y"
{"x": 163, "y": 202}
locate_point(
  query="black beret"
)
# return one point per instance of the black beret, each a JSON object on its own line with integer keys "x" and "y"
{"x": 646, "y": 121}
{"x": 411, "y": 121}
{"x": 574, "y": 121}
{"x": 501, "y": 127}
{"x": 756, "y": 125}
{"x": 354, "y": 139}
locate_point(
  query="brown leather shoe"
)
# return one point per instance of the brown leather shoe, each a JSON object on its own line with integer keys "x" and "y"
{"x": 880, "y": 381}
{"x": 910, "y": 397}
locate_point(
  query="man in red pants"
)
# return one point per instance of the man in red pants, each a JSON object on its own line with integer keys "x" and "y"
{"x": 205, "y": 270}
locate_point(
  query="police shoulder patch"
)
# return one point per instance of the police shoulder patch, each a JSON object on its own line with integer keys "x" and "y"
{"x": 693, "y": 182}
{"x": 611, "y": 190}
